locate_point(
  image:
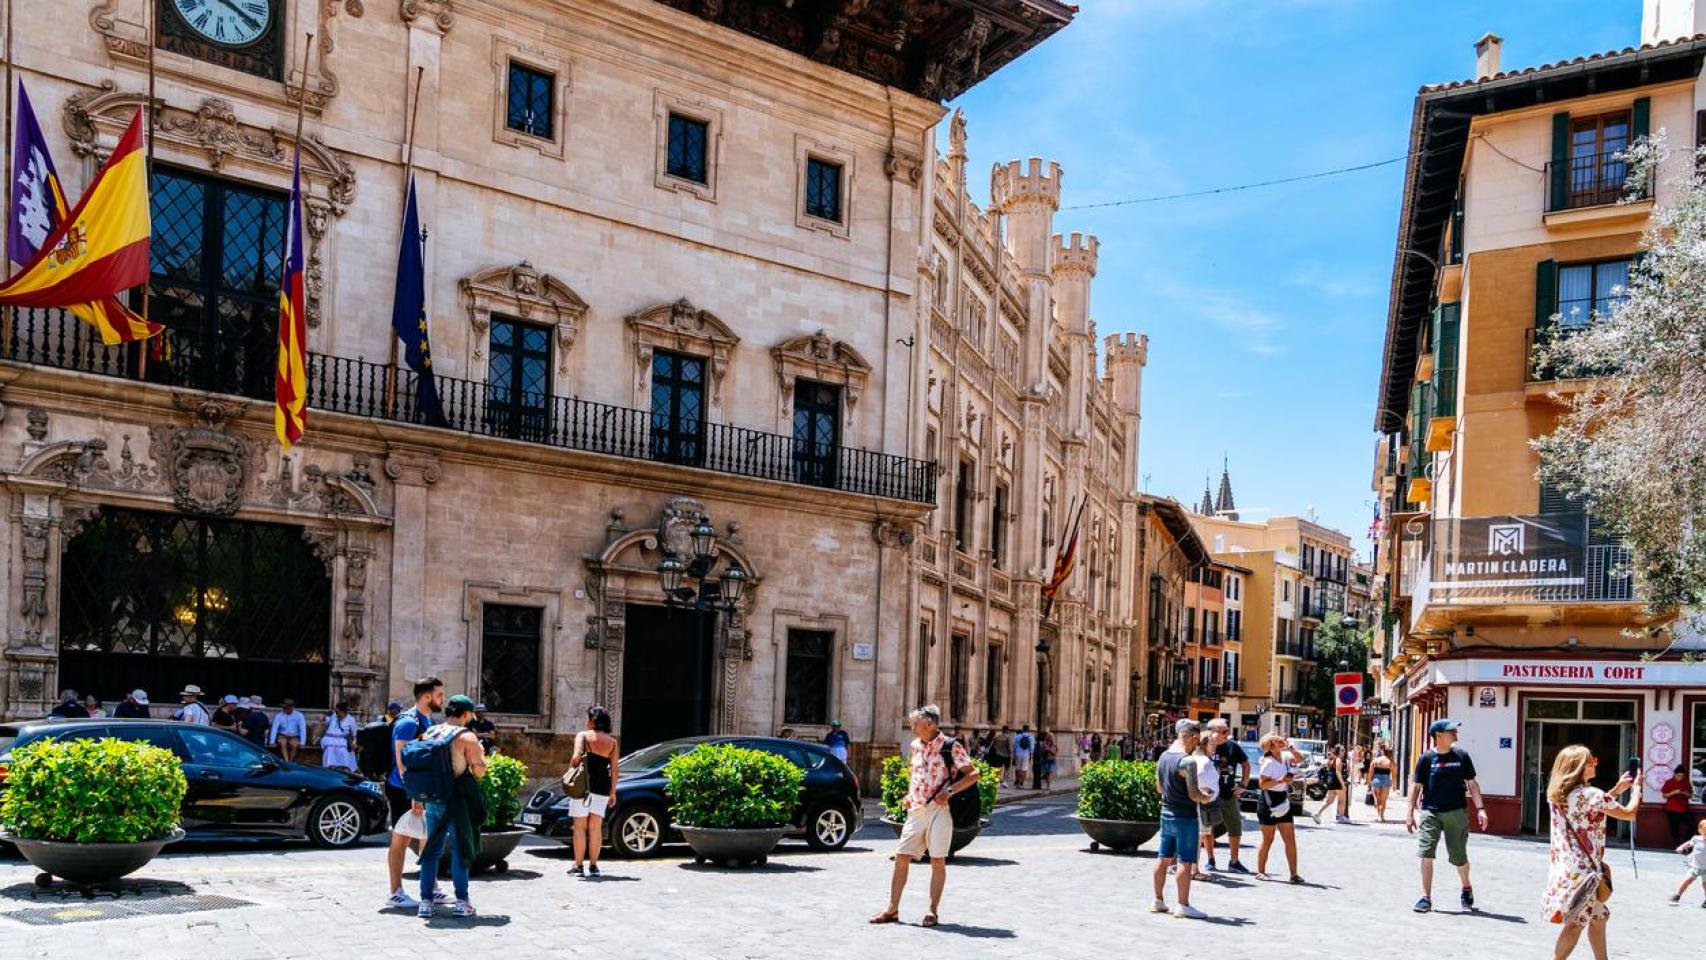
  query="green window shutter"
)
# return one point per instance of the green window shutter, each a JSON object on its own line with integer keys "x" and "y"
{"x": 1445, "y": 336}
{"x": 1545, "y": 293}
{"x": 1560, "y": 161}
{"x": 1640, "y": 118}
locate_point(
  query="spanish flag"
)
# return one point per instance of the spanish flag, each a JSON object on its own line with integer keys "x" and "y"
{"x": 1063, "y": 562}
{"x": 98, "y": 250}
{"x": 290, "y": 386}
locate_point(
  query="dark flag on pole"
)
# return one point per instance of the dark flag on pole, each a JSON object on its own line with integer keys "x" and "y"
{"x": 1063, "y": 562}
{"x": 409, "y": 316}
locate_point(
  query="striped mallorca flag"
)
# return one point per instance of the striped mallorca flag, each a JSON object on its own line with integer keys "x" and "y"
{"x": 1063, "y": 562}
{"x": 290, "y": 386}
{"x": 98, "y": 250}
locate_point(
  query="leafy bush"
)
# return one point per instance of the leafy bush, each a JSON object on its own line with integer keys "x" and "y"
{"x": 897, "y": 772}
{"x": 731, "y": 787}
{"x": 92, "y": 791}
{"x": 505, "y": 776}
{"x": 1119, "y": 790}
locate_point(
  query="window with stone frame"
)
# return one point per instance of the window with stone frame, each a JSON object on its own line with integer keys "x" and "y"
{"x": 992, "y": 681}
{"x": 510, "y": 642}
{"x": 823, "y": 189}
{"x": 518, "y": 380}
{"x": 958, "y": 665}
{"x": 688, "y": 151}
{"x": 998, "y": 527}
{"x": 806, "y": 687}
{"x": 531, "y": 101}
{"x": 678, "y": 408}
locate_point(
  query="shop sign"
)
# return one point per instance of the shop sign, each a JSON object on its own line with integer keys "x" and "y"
{"x": 1509, "y": 558}
{"x": 1620, "y": 673}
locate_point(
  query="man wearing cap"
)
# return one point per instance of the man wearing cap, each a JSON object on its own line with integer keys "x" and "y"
{"x": 227, "y": 716}
{"x": 1444, "y": 781}
{"x": 484, "y": 730}
{"x": 288, "y": 731}
{"x": 191, "y": 710}
{"x": 133, "y": 707}
{"x": 837, "y": 740}
{"x": 255, "y": 722}
{"x": 1181, "y": 792}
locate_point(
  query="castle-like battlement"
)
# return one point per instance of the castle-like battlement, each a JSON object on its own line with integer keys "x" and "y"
{"x": 1077, "y": 252}
{"x": 1127, "y": 348}
{"x": 1025, "y": 184}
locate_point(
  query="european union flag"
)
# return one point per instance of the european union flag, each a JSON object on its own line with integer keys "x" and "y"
{"x": 409, "y": 317}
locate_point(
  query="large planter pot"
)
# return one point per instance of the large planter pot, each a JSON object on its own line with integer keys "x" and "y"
{"x": 1121, "y": 835}
{"x": 495, "y": 848}
{"x": 88, "y": 864}
{"x": 732, "y": 846}
{"x": 963, "y": 836}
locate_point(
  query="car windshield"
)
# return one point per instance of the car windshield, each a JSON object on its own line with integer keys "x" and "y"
{"x": 653, "y": 757}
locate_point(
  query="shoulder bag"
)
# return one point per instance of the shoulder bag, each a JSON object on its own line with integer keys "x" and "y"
{"x": 577, "y": 780}
{"x": 1596, "y": 886}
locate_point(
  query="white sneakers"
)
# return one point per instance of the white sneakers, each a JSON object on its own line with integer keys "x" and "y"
{"x": 400, "y": 901}
{"x": 1159, "y": 906}
{"x": 1185, "y": 911}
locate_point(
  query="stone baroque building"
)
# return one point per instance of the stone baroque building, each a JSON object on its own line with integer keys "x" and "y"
{"x": 671, "y": 264}
{"x": 1023, "y": 426}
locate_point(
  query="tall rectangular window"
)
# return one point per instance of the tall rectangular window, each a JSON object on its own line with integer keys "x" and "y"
{"x": 509, "y": 657}
{"x": 678, "y": 408}
{"x": 217, "y": 256}
{"x": 1586, "y": 290}
{"x": 806, "y": 692}
{"x": 688, "y": 140}
{"x": 1598, "y": 169}
{"x": 962, "y": 508}
{"x": 518, "y": 380}
{"x": 817, "y": 432}
{"x": 992, "y": 682}
{"x": 998, "y": 526}
{"x": 959, "y": 652}
{"x": 823, "y": 189}
{"x": 531, "y": 101}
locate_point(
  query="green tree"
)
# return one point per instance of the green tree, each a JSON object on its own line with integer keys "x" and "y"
{"x": 1337, "y": 640}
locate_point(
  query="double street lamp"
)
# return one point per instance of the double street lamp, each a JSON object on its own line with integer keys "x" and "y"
{"x": 705, "y": 593}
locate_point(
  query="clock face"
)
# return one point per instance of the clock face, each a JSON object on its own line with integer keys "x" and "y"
{"x": 229, "y": 23}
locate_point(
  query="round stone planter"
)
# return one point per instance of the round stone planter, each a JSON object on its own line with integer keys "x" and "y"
{"x": 1121, "y": 835}
{"x": 732, "y": 846}
{"x": 88, "y": 864}
{"x": 495, "y": 848}
{"x": 962, "y": 836}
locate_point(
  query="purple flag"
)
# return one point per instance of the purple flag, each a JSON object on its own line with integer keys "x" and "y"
{"x": 38, "y": 201}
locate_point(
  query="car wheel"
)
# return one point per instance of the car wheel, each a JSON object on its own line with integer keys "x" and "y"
{"x": 638, "y": 832}
{"x": 335, "y": 823}
{"x": 828, "y": 827}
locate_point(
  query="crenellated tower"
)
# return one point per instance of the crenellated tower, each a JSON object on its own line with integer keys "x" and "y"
{"x": 1126, "y": 356}
{"x": 1029, "y": 194}
{"x": 1074, "y": 266}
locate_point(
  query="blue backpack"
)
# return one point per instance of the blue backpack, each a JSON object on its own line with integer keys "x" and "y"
{"x": 428, "y": 773}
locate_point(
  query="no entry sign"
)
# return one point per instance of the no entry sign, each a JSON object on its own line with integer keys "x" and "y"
{"x": 1347, "y": 694}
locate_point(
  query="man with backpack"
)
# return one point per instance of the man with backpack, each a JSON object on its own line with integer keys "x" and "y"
{"x": 1022, "y": 745}
{"x": 442, "y": 769}
{"x": 1443, "y": 783}
{"x": 410, "y": 726}
{"x": 940, "y": 770}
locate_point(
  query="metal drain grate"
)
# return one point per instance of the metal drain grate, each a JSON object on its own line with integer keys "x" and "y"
{"x": 90, "y": 910}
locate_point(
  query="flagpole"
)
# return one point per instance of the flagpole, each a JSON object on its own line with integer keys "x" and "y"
{"x": 302, "y": 97}
{"x": 148, "y": 178}
{"x": 408, "y": 180}
{"x": 6, "y": 239}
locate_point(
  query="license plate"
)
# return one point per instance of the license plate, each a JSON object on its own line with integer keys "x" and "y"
{"x": 532, "y": 819}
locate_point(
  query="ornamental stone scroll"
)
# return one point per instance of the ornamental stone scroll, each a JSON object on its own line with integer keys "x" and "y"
{"x": 523, "y": 293}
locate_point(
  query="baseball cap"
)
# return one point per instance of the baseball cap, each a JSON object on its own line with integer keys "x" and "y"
{"x": 396, "y": 705}
{"x": 1444, "y": 726}
{"x": 228, "y": 699}
{"x": 460, "y": 702}
{"x": 140, "y": 696}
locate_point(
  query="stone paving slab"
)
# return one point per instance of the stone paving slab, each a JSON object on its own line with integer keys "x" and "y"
{"x": 1028, "y": 888}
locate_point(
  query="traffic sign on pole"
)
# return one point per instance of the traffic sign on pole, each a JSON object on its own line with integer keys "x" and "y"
{"x": 1347, "y": 694}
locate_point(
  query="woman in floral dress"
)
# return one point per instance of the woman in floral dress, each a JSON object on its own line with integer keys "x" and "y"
{"x": 1579, "y": 810}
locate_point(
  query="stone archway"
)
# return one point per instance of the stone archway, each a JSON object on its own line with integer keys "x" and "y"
{"x": 624, "y": 572}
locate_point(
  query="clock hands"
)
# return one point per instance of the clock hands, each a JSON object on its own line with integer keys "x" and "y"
{"x": 242, "y": 14}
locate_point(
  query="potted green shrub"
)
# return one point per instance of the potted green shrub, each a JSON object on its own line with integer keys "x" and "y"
{"x": 731, "y": 804}
{"x": 502, "y": 785}
{"x": 1119, "y": 803}
{"x": 896, "y": 774}
{"x": 91, "y": 811}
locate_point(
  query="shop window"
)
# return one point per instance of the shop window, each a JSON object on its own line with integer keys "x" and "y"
{"x": 1697, "y": 746}
{"x": 1552, "y": 710}
{"x": 1623, "y": 710}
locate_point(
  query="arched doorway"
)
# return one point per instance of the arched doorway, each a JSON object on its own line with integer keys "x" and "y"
{"x": 161, "y": 600}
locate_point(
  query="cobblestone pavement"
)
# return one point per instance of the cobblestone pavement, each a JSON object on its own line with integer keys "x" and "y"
{"x": 1029, "y": 887}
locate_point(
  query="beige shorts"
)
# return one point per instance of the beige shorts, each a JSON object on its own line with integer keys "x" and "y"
{"x": 929, "y": 829}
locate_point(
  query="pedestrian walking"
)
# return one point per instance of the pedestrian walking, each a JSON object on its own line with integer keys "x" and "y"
{"x": 837, "y": 740}
{"x": 1677, "y": 791}
{"x": 455, "y": 819}
{"x": 1096, "y": 746}
{"x": 596, "y": 749}
{"x": 70, "y": 707}
{"x": 1047, "y": 753}
{"x": 1274, "y": 811}
{"x": 938, "y": 768}
{"x": 1380, "y": 777}
{"x": 1177, "y": 779}
{"x": 227, "y": 715}
{"x": 1694, "y": 851}
{"x": 1233, "y": 768}
{"x": 134, "y": 706}
{"x": 288, "y": 731}
{"x": 1333, "y": 780}
{"x": 984, "y": 739}
{"x": 1578, "y": 882}
{"x": 484, "y": 729}
{"x": 255, "y": 724}
{"x": 190, "y": 709}
{"x": 1442, "y": 784}
{"x": 1083, "y": 749}
{"x": 337, "y": 741}
{"x": 1023, "y": 746}
{"x": 410, "y": 726}
{"x": 1001, "y": 753}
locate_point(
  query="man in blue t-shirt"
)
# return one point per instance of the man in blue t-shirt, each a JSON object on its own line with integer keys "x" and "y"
{"x": 1444, "y": 782}
{"x": 837, "y": 740}
{"x": 411, "y": 725}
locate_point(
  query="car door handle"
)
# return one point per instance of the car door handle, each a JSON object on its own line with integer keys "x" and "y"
{"x": 209, "y": 775}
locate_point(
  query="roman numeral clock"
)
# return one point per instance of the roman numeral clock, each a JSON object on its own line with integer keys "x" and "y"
{"x": 244, "y": 35}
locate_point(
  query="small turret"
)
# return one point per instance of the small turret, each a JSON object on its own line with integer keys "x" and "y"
{"x": 1126, "y": 355}
{"x": 1029, "y": 194}
{"x": 1074, "y": 264}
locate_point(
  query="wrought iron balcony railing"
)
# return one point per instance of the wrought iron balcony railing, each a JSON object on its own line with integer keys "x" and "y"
{"x": 244, "y": 367}
{"x": 1592, "y": 180}
{"x": 1538, "y": 559}
{"x": 1540, "y": 371}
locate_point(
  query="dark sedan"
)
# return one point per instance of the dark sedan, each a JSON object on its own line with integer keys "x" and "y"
{"x": 638, "y": 826}
{"x": 236, "y": 790}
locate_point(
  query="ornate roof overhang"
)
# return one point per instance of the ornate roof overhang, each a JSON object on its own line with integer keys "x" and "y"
{"x": 936, "y": 49}
{"x": 1439, "y": 135}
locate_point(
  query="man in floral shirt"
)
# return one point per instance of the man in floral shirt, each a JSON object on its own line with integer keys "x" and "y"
{"x": 929, "y": 826}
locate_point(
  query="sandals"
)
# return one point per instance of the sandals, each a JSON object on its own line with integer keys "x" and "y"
{"x": 929, "y": 920}
{"x": 1296, "y": 879}
{"x": 1263, "y": 876}
{"x": 887, "y": 916}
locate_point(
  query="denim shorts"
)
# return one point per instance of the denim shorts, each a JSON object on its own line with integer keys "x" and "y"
{"x": 1179, "y": 837}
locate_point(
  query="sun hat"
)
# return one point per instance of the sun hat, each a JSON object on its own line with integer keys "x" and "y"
{"x": 190, "y": 690}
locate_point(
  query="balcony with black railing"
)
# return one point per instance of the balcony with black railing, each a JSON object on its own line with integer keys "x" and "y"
{"x": 1593, "y": 180}
{"x": 243, "y": 367}
{"x": 1209, "y": 691}
{"x": 1210, "y": 638}
{"x": 1542, "y": 370}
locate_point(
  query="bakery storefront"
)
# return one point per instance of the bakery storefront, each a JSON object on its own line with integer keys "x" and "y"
{"x": 1517, "y": 713}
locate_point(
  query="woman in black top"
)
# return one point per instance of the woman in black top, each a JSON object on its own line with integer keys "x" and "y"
{"x": 596, "y": 748}
{"x": 1333, "y": 780}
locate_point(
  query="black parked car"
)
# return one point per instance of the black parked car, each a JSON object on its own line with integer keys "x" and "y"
{"x": 638, "y": 826}
{"x": 236, "y": 790}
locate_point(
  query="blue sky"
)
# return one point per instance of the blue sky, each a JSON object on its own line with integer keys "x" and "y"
{"x": 1265, "y": 309}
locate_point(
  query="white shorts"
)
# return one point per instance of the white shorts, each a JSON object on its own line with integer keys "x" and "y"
{"x": 591, "y": 805}
{"x": 929, "y": 829}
